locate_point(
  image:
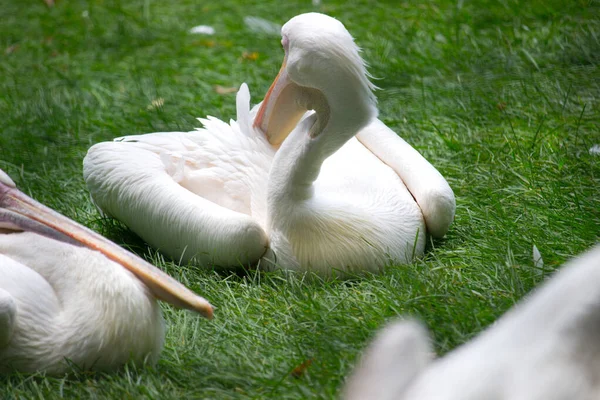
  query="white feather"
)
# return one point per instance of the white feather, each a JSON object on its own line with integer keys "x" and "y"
{"x": 62, "y": 304}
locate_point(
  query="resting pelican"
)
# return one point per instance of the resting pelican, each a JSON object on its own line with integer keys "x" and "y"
{"x": 290, "y": 185}
{"x": 69, "y": 295}
{"x": 546, "y": 348}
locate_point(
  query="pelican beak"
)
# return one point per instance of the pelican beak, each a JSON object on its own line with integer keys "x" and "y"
{"x": 21, "y": 213}
{"x": 280, "y": 110}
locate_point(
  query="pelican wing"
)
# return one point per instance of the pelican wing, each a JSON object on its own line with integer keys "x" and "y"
{"x": 429, "y": 188}
{"x": 197, "y": 195}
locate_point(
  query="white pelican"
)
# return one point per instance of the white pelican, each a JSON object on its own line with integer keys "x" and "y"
{"x": 545, "y": 348}
{"x": 294, "y": 182}
{"x": 67, "y": 295}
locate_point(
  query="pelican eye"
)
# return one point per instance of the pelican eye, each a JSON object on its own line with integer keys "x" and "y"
{"x": 285, "y": 43}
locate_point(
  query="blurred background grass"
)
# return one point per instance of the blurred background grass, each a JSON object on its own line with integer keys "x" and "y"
{"x": 501, "y": 96}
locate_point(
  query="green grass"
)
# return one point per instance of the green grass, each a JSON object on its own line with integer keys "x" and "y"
{"x": 503, "y": 97}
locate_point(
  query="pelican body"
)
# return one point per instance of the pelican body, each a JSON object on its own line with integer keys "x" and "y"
{"x": 70, "y": 297}
{"x": 545, "y": 348}
{"x": 309, "y": 180}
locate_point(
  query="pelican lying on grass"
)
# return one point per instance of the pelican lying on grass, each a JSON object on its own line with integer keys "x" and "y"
{"x": 67, "y": 295}
{"x": 546, "y": 348}
{"x": 293, "y": 187}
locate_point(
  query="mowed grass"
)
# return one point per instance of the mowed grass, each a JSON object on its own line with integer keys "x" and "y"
{"x": 501, "y": 96}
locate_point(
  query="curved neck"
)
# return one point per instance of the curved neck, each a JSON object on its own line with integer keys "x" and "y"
{"x": 298, "y": 161}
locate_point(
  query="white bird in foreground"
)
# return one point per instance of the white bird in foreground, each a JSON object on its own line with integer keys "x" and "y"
{"x": 297, "y": 184}
{"x": 68, "y": 295}
{"x": 546, "y": 348}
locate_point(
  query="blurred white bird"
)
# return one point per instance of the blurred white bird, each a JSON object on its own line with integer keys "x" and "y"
{"x": 545, "y": 348}
{"x": 294, "y": 182}
{"x": 68, "y": 295}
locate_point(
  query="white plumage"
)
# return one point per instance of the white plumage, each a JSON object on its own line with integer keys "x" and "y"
{"x": 62, "y": 303}
{"x": 292, "y": 187}
{"x": 156, "y": 184}
{"x": 71, "y": 303}
{"x": 545, "y": 348}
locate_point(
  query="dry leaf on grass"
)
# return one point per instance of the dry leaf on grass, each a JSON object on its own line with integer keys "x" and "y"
{"x": 156, "y": 103}
{"x": 301, "y": 369}
{"x": 252, "y": 56}
{"x": 224, "y": 90}
{"x": 11, "y": 49}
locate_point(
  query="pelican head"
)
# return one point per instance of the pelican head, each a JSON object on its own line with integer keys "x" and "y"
{"x": 322, "y": 71}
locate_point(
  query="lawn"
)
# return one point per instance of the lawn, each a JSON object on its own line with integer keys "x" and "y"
{"x": 503, "y": 97}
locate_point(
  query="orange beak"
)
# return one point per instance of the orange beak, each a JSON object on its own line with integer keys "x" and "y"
{"x": 280, "y": 110}
{"x": 20, "y": 212}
